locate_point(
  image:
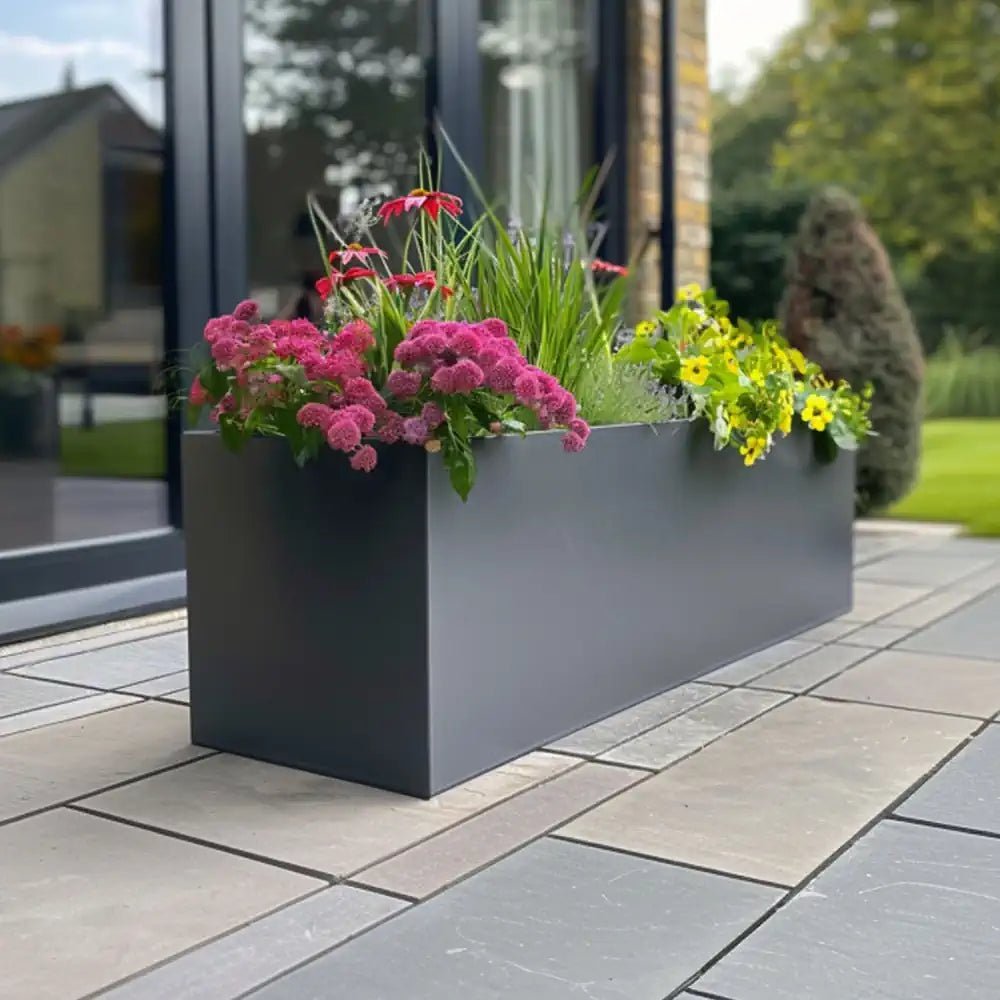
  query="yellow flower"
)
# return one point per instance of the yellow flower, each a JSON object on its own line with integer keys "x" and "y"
{"x": 731, "y": 362}
{"x": 798, "y": 360}
{"x": 645, "y": 329}
{"x": 786, "y": 410}
{"x": 737, "y": 419}
{"x": 753, "y": 449}
{"x": 695, "y": 370}
{"x": 780, "y": 356}
{"x": 817, "y": 413}
{"x": 757, "y": 376}
{"x": 692, "y": 291}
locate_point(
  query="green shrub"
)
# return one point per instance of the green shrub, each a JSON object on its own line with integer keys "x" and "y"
{"x": 963, "y": 377}
{"x": 843, "y": 309}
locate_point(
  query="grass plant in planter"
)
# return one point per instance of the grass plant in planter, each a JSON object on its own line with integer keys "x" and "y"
{"x": 456, "y": 568}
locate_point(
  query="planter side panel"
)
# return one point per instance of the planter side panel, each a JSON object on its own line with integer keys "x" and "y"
{"x": 572, "y": 586}
{"x": 307, "y": 610}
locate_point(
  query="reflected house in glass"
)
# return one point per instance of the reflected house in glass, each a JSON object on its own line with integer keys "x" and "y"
{"x": 171, "y": 182}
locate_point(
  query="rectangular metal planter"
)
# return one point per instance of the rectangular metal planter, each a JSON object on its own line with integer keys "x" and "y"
{"x": 375, "y": 628}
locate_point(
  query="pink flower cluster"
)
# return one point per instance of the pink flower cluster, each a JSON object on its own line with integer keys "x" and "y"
{"x": 458, "y": 358}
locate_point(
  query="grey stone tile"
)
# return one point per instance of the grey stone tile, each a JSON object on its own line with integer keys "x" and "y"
{"x": 117, "y": 666}
{"x": 45, "y": 766}
{"x": 908, "y": 913}
{"x": 877, "y": 636}
{"x": 966, "y": 791}
{"x": 923, "y": 569}
{"x": 929, "y": 682}
{"x": 603, "y": 735}
{"x": 168, "y": 684}
{"x": 972, "y": 631}
{"x": 981, "y": 582}
{"x": 828, "y": 632}
{"x": 746, "y": 669}
{"x": 182, "y": 697}
{"x": 469, "y": 846}
{"x": 88, "y": 901}
{"x": 22, "y": 694}
{"x": 929, "y": 609}
{"x": 554, "y": 920}
{"x": 776, "y": 798}
{"x": 811, "y": 669}
{"x": 874, "y": 600}
{"x": 306, "y": 819}
{"x": 89, "y": 704}
{"x": 244, "y": 959}
{"x": 695, "y": 729}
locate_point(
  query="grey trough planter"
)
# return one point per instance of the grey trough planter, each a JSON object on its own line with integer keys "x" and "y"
{"x": 375, "y": 628}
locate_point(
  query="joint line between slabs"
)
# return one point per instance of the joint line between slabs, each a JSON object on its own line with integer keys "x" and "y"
{"x": 941, "y": 825}
{"x": 81, "y": 652}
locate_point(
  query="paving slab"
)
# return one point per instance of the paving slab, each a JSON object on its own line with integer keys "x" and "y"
{"x": 874, "y": 600}
{"x": 87, "y": 902}
{"x": 22, "y": 694}
{"x": 923, "y": 569}
{"x": 908, "y": 913}
{"x": 752, "y": 666}
{"x": 877, "y": 636}
{"x": 465, "y": 848}
{"x": 828, "y": 632}
{"x": 45, "y": 766}
{"x": 811, "y": 669}
{"x": 966, "y": 791}
{"x": 695, "y": 729}
{"x": 929, "y": 609}
{"x": 89, "y": 704}
{"x": 774, "y": 799}
{"x": 247, "y": 958}
{"x": 182, "y": 697}
{"x": 168, "y": 684}
{"x": 554, "y": 920}
{"x": 970, "y": 631}
{"x": 304, "y": 819}
{"x": 926, "y": 681}
{"x": 603, "y": 735}
{"x": 116, "y": 666}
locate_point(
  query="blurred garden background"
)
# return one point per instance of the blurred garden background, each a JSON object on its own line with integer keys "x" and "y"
{"x": 898, "y": 103}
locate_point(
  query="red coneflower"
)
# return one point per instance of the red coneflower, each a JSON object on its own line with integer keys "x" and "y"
{"x": 354, "y": 251}
{"x": 422, "y": 279}
{"x": 606, "y": 267}
{"x": 431, "y": 202}
{"x": 327, "y": 284}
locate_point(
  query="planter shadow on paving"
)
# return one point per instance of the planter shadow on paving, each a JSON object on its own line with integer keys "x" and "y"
{"x": 377, "y": 629}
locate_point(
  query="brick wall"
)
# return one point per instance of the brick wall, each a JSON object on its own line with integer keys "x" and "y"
{"x": 691, "y": 151}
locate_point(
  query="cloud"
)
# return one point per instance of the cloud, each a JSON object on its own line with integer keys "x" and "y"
{"x": 42, "y": 48}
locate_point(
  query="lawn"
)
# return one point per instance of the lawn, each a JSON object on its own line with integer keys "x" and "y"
{"x": 134, "y": 449}
{"x": 960, "y": 476}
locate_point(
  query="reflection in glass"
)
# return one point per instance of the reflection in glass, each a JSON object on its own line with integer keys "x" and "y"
{"x": 82, "y": 417}
{"x": 334, "y": 105}
{"x": 538, "y": 87}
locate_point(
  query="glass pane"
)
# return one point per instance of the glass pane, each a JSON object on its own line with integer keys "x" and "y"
{"x": 538, "y": 93}
{"x": 334, "y": 105}
{"x": 82, "y": 413}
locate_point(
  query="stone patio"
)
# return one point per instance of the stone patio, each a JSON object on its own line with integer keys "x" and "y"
{"x": 817, "y": 821}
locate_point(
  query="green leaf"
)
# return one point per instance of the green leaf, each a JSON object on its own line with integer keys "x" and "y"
{"x": 824, "y": 447}
{"x": 213, "y": 381}
{"x": 232, "y": 435}
{"x": 461, "y": 465}
{"x": 193, "y": 414}
{"x": 514, "y": 426}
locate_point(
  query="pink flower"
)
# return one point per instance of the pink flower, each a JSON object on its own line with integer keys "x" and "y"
{"x": 606, "y": 267}
{"x": 390, "y": 428}
{"x": 443, "y": 380}
{"x": 573, "y": 442}
{"x": 415, "y": 431}
{"x": 224, "y": 351}
{"x": 580, "y": 428}
{"x": 247, "y": 310}
{"x": 355, "y": 251}
{"x": 343, "y": 434}
{"x": 360, "y": 390}
{"x": 526, "y": 389}
{"x": 408, "y": 352}
{"x": 561, "y": 406}
{"x": 361, "y": 415}
{"x": 433, "y": 344}
{"x": 431, "y": 202}
{"x": 356, "y": 336}
{"x": 197, "y": 396}
{"x": 494, "y": 327}
{"x": 364, "y": 459}
{"x": 467, "y": 343}
{"x": 505, "y": 374}
{"x": 466, "y": 375}
{"x": 314, "y": 415}
{"x": 432, "y": 415}
{"x": 403, "y": 384}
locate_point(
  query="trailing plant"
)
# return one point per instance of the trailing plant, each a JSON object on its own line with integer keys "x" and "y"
{"x": 745, "y": 380}
{"x": 963, "y": 378}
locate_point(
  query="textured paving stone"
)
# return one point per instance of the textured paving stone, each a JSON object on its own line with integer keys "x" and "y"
{"x": 90, "y": 704}
{"x": 929, "y": 609}
{"x": 966, "y": 791}
{"x": 926, "y": 681}
{"x": 117, "y": 666}
{"x": 306, "y": 819}
{"x": 238, "y": 962}
{"x": 693, "y": 730}
{"x": 603, "y": 735}
{"x": 873, "y": 600}
{"x": 971, "y": 631}
{"x": 877, "y": 636}
{"x": 746, "y": 669}
{"x": 777, "y": 797}
{"x": 87, "y": 901}
{"x": 811, "y": 669}
{"x": 168, "y": 684}
{"x": 22, "y": 694}
{"x": 828, "y": 632}
{"x": 552, "y": 921}
{"x": 471, "y": 845}
{"x": 46, "y": 766}
{"x": 182, "y": 697}
{"x": 932, "y": 569}
{"x": 908, "y": 913}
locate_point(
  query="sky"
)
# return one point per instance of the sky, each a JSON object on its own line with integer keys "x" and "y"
{"x": 741, "y": 32}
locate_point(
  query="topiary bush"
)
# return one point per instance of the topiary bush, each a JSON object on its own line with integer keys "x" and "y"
{"x": 843, "y": 309}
